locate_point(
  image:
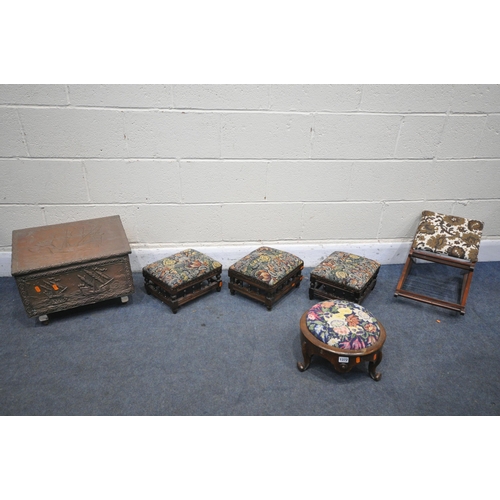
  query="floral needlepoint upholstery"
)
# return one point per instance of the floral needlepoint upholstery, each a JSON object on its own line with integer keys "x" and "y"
{"x": 449, "y": 235}
{"x": 347, "y": 270}
{"x": 267, "y": 265}
{"x": 182, "y": 267}
{"x": 343, "y": 324}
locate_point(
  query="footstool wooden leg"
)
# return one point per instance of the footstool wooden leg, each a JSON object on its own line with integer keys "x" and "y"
{"x": 372, "y": 365}
{"x": 231, "y": 284}
{"x": 307, "y": 358}
{"x": 44, "y": 319}
{"x": 312, "y": 286}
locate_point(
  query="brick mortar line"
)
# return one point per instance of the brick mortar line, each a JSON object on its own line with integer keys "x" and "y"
{"x": 244, "y": 160}
{"x": 253, "y": 111}
{"x": 302, "y": 160}
{"x": 257, "y": 202}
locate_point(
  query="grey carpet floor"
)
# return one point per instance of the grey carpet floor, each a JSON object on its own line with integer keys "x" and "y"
{"x": 228, "y": 355}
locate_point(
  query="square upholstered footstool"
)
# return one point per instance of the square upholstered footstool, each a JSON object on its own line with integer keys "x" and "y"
{"x": 182, "y": 277}
{"x": 266, "y": 274}
{"x": 344, "y": 276}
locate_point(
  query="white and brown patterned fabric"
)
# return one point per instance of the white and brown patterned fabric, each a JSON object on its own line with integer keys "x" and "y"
{"x": 449, "y": 235}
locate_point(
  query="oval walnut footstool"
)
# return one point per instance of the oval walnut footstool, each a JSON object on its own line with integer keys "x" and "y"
{"x": 344, "y": 333}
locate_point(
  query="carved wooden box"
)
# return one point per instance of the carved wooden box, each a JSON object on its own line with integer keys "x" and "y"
{"x": 68, "y": 265}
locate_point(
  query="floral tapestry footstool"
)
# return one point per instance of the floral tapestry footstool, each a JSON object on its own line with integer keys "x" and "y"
{"x": 266, "y": 274}
{"x": 344, "y": 333}
{"x": 182, "y": 277}
{"x": 343, "y": 276}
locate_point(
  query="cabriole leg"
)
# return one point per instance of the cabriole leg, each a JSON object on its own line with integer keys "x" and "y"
{"x": 307, "y": 358}
{"x": 372, "y": 365}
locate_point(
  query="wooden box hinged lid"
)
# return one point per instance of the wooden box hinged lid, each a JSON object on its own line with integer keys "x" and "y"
{"x": 58, "y": 245}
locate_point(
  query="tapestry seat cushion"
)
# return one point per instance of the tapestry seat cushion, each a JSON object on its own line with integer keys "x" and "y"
{"x": 182, "y": 267}
{"x": 267, "y": 265}
{"x": 347, "y": 270}
{"x": 449, "y": 235}
{"x": 343, "y": 324}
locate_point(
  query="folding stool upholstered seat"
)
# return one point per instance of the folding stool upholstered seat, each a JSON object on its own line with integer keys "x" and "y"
{"x": 182, "y": 277}
{"x": 343, "y": 276}
{"x": 344, "y": 333}
{"x": 266, "y": 274}
{"x": 449, "y": 240}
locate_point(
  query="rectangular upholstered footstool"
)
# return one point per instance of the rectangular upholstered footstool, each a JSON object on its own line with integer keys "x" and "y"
{"x": 182, "y": 277}
{"x": 344, "y": 276}
{"x": 266, "y": 274}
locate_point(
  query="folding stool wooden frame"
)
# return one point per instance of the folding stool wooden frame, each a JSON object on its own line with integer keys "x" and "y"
{"x": 465, "y": 265}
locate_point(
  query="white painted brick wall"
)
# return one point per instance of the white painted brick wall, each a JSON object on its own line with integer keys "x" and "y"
{"x": 341, "y": 221}
{"x": 121, "y": 96}
{"x": 463, "y": 180}
{"x": 355, "y": 136}
{"x": 171, "y": 134}
{"x": 11, "y": 135}
{"x": 37, "y": 95}
{"x": 403, "y": 180}
{"x": 461, "y": 136}
{"x": 26, "y": 182}
{"x": 242, "y": 97}
{"x": 243, "y": 165}
{"x": 261, "y": 221}
{"x": 397, "y": 217}
{"x": 57, "y": 213}
{"x": 475, "y": 99}
{"x": 419, "y": 136}
{"x": 489, "y": 144}
{"x": 190, "y": 223}
{"x": 73, "y": 132}
{"x": 15, "y": 217}
{"x": 223, "y": 181}
{"x": 266, "y": 135}
{"x": 317, "y": 98}
{"x": 314, "y": 180}
{"x": 406, "y": 98}
{"x": 136, "y": 181}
